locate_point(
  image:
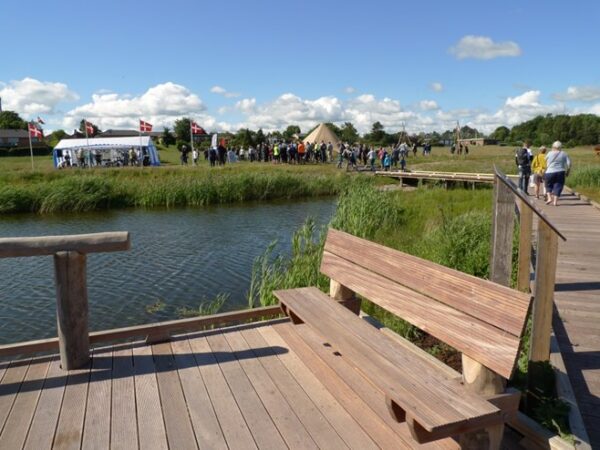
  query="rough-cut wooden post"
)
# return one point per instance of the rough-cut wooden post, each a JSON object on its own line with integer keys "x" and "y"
{"x": 72, "y": 309}
{"x": 525, "y": 229}
{"x": 503, "y": 223}
{"x": 545, "y": 276}
{"x": 476, "y": 376}
{"x": 345, "y": 296}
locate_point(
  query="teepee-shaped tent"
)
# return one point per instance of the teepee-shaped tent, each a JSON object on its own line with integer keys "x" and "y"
{"x": 323, "y": 133}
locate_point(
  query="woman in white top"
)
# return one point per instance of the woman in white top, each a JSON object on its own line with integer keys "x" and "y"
{"x": 558, "y": 165}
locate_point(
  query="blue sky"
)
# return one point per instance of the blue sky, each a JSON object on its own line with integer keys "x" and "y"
{"x": 268, "y": 64}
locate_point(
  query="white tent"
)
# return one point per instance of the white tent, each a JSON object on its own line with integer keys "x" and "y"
{"x": 111, "y": 151}
{"x": 323, "y": 133}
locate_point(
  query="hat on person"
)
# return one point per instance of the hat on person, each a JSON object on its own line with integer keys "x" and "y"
{"x": 557, "y": 145}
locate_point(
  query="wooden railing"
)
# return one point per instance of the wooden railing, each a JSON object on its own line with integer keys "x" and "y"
{"x": 74, "y": 338}
{"x": 508, "y": 202}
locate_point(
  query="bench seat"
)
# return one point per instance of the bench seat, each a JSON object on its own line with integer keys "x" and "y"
{"x": 433, "y": 404}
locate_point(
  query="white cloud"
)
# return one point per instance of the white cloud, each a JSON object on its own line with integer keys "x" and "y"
{"x": 483, "y": 47}
{"x": 436, "y": 87}
{"x": 160, "y": 105}
{"x": 31, "y": 97}
{"x": 579, "y": 93}
{"x": 224, "y": 92}
{"x": 246, "y": 105}
{"x": 428, "y": 105}
{"x": 350, "y": 90}
{"x": 527, "y": 99}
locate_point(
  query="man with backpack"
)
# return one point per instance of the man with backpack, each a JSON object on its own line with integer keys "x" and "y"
{"x": 523, "y": 157}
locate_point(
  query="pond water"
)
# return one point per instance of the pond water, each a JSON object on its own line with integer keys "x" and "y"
{"x": 179, "y": 257}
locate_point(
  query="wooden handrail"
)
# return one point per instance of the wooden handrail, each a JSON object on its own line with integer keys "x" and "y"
{"x": 525, "y": 199}
{"x": 49, "y": 245}
{"x": 152, "y": 331}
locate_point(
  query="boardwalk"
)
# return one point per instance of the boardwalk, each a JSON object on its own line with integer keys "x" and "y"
{"x": 577, "y": 301}
{"x": 241, "y": 387}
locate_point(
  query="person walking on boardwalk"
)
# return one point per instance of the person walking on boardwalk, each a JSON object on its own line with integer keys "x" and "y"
{"x": 371, "y": 156}
{"x": 558, "y": 166}
{"x": 538, "y": 167}
{"x": 523, "y": 159}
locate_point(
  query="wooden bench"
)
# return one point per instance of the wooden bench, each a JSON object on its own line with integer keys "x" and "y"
{"x": 481, "y": 319}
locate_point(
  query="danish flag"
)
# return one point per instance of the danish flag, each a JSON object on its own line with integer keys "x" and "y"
{"x": 89, "y": 128}
{"x": 196, "y": 129}
{"x": 145, "y": 126}
{"x": 34, "y": 131}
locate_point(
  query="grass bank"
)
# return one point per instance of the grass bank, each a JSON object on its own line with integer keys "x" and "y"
{"x": 88, "y": 190}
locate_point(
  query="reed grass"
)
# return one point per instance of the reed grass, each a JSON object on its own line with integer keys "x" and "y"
{"x": 77, "y": 191}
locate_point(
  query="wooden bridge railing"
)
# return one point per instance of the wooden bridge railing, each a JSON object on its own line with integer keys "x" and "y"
{"x": 70, "y": 261}
{"x": 74, "y": 339}
{"x": 508, "y": 201}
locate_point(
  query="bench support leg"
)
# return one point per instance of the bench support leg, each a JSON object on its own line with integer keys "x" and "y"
{"x": 345, "y": 296}
{"x": 483, "y": 381}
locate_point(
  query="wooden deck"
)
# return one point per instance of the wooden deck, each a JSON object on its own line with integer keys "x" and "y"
{"x": 239, "y": 387}
{"x": 577, "y": 301}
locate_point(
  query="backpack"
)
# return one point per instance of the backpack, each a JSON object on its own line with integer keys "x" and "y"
{"x": 523, "y": 157}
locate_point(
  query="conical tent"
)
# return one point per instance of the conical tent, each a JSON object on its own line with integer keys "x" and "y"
{"x": 323, "y": 133}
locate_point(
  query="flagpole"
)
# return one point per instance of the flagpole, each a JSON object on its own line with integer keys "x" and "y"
{"x": 192, "y": 136}
{"x": 30, "y": 145}
{"x": 141, "y": 151}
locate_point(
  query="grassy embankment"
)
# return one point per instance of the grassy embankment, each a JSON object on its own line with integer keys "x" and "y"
{"x": 451, "y": 228}
{"x": 173, "y": 185}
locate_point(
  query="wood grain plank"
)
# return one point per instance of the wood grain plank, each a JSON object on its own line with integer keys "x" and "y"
{"x": 45, "y": 419}
{"x": 486, "y": 344}
{"x": 283, "y": 415}
{"x": 435, "y": 402}
{"x": 260, "y": 423}
{"x": 230, "y": 418}
{"x": 363, "y": 400}
{"x": 151, "y": 426}
{"x": 96, "y": 431}
{"x": 123, "y": 423}
{"x": 502, "y": 307}
{"x": 202, "y": 414}
{"x": 348, "y": 429}
{"x": 69, "y": 430}
{"x": 180, "y": 433}
{"x": 17, "y": 425}
{"x": 314, "y": 421}
{"x": 11, "y": 383}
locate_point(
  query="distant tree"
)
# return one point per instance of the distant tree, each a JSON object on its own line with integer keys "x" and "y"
{"x": 377, "y": 136}
{"x": 500, "y": 134}
{"x": 290, "y": 131}
{"x": 260, "y": 137}
{"x": 181, "y": 128}
{"x": 244, "y": 138}
{"x": 82, "y": 128}
{"x": 167, "y": 137}
{"x": 55, "y": 137}
{"x": 336, "y": 130}
{"x": 348, "y": 133}
{"x": 10, "y": 120}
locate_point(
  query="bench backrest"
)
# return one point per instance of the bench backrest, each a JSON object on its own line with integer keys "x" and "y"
{"x": 481, "y": 319}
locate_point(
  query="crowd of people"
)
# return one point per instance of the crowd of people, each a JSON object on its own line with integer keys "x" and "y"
{"x": 283, "y": 152}
{"x": 549, "y": 170}
{"x": 104, "y": 157}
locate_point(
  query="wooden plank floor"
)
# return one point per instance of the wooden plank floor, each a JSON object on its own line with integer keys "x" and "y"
{"x": 577, "y": 300}
{"x": 240, "y": 387}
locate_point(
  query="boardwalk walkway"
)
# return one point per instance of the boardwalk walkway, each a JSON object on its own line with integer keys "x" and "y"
{"x": 577, "y": 300}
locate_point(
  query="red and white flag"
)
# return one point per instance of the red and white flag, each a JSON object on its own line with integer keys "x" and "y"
{"x": 89, "y": 128}
{"x": 39, "y": 120}
{"x": 197, "y": 129}
{"x": 145, "y": 127}
{"x": 34, "y": 131}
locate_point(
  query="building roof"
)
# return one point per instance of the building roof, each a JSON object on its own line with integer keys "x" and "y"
{"x": 6, "y": 133}
{"x": 104, "y": 142}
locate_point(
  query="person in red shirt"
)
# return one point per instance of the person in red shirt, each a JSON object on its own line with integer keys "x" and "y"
{"x": 301, "y": 152}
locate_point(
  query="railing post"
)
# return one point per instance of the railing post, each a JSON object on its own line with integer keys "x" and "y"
{"x": 545, "y": 277}
{"x": 503, "y": 223}
{"x": 72, "y": 309}
{"x": 345, "y": 296}
{"x": 525, "y": 230}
